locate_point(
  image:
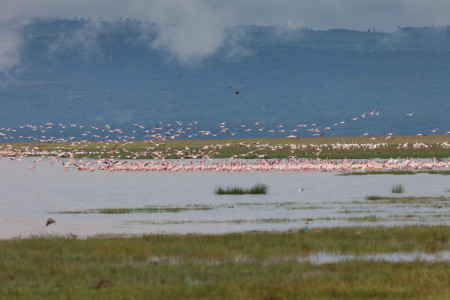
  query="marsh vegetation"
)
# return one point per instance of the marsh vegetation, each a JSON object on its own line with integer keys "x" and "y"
{"x": 134, "y": 210}
{"x": 396, "y": 172}
{"x": 233, "y": 266}
{"x": 258, "y": 189}
{"x": 410, "y": 199}
{"x": 398, "y": 189}
{"x": 436, "y": 146}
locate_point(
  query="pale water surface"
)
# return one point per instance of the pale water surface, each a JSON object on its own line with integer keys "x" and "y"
{"x": 30, "y": 196}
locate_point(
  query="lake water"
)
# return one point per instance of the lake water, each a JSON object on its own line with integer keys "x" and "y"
{"x": 30, "y": 196}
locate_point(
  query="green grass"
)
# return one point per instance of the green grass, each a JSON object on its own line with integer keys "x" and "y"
{"x": 398, "y": 189}
{"x": 397, "y": 172}
{"x": 371, "y": 218}
{"x": 410, "y": 199}
{"x": 390, "y": 172}
{"x": 256, "y": 189}
{"x": 239, "y": 221}
{"x": 261, "y": 265}
{"x": 441, "y": 172}
{"x": 163, "y": 209}
{"x": 247, "y": 148}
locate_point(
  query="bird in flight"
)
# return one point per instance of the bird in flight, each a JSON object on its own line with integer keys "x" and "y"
{"x": 50, "y": 221}
{"x": 237, "y": 91}
{"x": 113, "y": 149}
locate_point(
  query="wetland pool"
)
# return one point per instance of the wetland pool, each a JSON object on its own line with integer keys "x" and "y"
{"x": 184, "y": 202}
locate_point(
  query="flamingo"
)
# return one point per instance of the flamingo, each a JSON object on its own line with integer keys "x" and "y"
{"x": 113, "y": 149}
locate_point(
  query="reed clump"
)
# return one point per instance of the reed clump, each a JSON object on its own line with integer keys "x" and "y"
{"x": 398, "y": 189}
{"x": 260, "y": 189}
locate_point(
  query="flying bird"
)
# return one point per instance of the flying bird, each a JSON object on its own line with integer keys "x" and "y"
{"x": 50, "y": 221}
{"x": 113, "y": 149}
{"x": 237, "y": 91}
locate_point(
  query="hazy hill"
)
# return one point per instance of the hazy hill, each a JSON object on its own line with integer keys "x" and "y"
{"x": 107, "y": 73}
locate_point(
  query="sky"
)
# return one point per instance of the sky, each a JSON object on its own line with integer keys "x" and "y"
{"x": 192, "y": 29}
{"x": 316, "y": 14}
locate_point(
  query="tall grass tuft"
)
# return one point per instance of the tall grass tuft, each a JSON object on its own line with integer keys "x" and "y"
{"x": 398, "y": 189}
{"x": 372, "y": 197}
{"x": 256, "y": 189}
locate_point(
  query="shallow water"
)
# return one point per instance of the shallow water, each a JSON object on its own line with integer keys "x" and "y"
{"x": 325, "y": 257}
{"x": 30, "y": 196}
{"x": 322, "y": 257}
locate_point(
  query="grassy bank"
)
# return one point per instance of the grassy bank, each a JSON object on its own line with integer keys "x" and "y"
{"x": 397, "y": 172}
{"x": 322, "y": 147}
{"x": 232, "y": 266}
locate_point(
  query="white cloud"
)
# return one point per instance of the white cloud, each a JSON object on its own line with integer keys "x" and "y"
{"x": 190, "y": 30}
{"x": 84, "y": 39}
{"x": 11, "y": 41}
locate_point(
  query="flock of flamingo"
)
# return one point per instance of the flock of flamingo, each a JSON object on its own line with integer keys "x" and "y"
{"x": 80, "y": 136}
{"x": 294, "y": 165}
{"x": 58, "y": 133}
{"x": 203, "y": 159}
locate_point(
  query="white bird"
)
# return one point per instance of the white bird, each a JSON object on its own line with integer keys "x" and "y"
{"x": 301, "y": 189}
